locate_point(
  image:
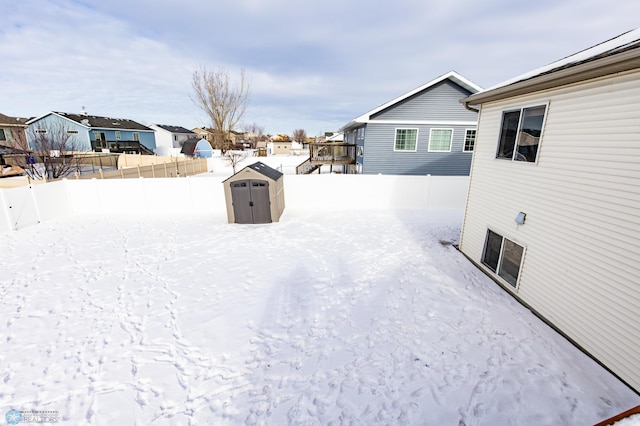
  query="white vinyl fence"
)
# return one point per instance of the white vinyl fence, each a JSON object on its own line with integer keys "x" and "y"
{"x": 29, "y": 205}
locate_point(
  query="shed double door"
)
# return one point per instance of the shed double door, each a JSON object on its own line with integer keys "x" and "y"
{"x": 250, "y": 198}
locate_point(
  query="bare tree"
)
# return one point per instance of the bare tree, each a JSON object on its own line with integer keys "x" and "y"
{"x": 50, "y": 151}
{"x": 299, "y": 135}
{"x": 234, "y": 157}
{"x": 254, "y": 132}
{"x": 224, "y": 102}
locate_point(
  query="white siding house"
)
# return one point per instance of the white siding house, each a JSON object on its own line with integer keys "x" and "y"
{"x": 553, "y": 208}
{"x": 169, "y": 139}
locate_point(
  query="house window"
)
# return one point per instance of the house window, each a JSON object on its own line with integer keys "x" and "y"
{"x": 469, "y": 140}
{"x": 360, "y": 151}
{"x": 5, "y": 135}
{"x": 118, "y": 135}
{"x": 503, "y": 257}
{"x": 136, "y": 136}
{"x": 440, "y": 140}
{"x": 520, "y": 134}
{"x": 360, "y": 134}
{"x": 406, "y": 140}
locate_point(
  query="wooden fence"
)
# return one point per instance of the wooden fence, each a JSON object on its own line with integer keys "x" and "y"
{"x": 178, "y": 168}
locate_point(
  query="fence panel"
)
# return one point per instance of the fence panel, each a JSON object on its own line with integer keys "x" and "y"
{"x": 205, "y": 195}
{"x": 21, "y": 207}
{"x": 51, "y": 200}
{"x": 5, "y": 220}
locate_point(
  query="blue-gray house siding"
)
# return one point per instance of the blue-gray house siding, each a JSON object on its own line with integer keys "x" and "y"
{"x": 435, "y": 106}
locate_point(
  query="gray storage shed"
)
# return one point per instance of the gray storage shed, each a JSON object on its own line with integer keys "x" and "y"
{"x": 255, "y": 195}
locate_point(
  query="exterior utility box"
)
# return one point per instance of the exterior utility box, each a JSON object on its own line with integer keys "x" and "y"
{"x": 255, "y": 195}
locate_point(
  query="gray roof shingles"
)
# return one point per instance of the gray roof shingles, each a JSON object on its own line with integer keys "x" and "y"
{"x": 105, "y": 122}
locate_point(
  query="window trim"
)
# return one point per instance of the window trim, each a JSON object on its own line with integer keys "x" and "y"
{"x": 395, "y": 139}
{"x": 431, "y": 138}
{"x": 464, "y": 142}
{"x": 515, "y": 145}
{"x": 501, "y": 258}
{"x": 136, "y": 136}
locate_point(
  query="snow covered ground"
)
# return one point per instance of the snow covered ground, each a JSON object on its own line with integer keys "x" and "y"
{"x": 332, "y": 318}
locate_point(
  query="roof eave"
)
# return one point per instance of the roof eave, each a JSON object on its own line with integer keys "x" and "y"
{"x": 451, "y": 75}
{"x": 621, "y": 62}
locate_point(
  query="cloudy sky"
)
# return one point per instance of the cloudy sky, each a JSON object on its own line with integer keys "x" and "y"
{"x": 313, "y": 64}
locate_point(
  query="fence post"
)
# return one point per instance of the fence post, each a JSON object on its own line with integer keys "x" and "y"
{"x": 428, "y": 192}
{"x": 165, "y": 169}
{"x": 138, "y": 170}
{"x": 101, "y": 174}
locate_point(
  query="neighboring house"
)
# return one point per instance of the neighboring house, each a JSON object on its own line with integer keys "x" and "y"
{"x": 237, "y": 140}
{"x": 169, "y": 139}
{"x": 12, "y": 131}
{"x": 204, "y": 133}
{"x": 553, "y": 209}
{"x": 94, "y": 133}
{"x": 280, "y": 144}
{"x": 424, "y": 131}
{"x": 281, "y": 147}
{"x": 335, "y": 137}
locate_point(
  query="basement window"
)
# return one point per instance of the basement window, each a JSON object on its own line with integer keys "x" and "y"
{"x": 520, "y": 134}
{"x": 503, "y": 256}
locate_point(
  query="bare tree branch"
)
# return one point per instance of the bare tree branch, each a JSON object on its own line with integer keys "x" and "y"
{"x": 299, "y": 135}
{"x": 51, "y": 151}
{"x": 224, "y": 103}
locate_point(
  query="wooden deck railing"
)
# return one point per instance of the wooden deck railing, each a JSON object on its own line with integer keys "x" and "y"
{"x": 306, "y": 167}
{"x": 332, "y": 153}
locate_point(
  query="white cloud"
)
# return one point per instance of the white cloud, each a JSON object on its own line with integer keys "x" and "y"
{"x": 313, "y": 64}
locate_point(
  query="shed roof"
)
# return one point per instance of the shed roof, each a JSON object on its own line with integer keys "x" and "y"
{"x": 621, "y": 53}
{"x": 263, "y": 169}
{"x": 189, "y": 147}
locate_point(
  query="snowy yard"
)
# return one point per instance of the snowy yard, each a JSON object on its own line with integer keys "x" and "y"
{"x": 339, "y": 318}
